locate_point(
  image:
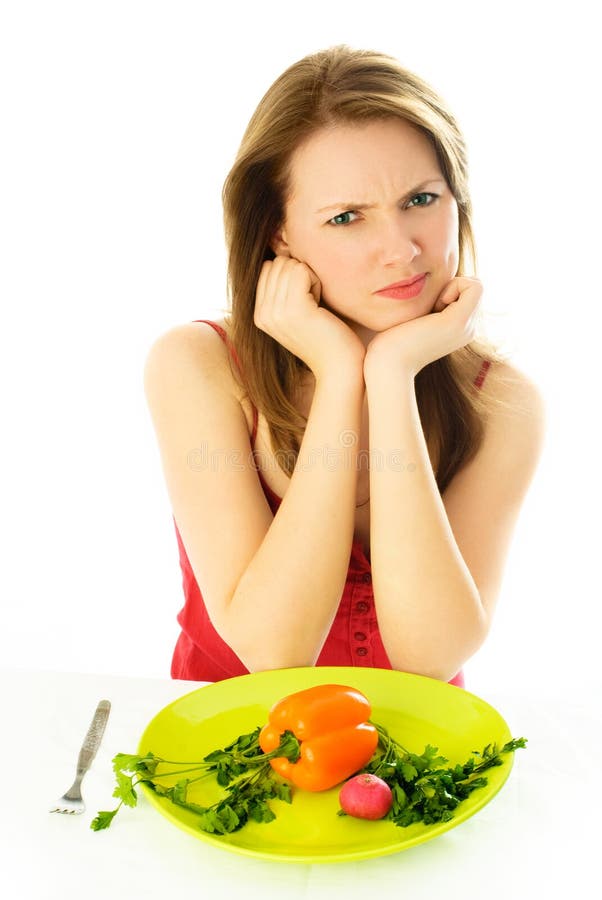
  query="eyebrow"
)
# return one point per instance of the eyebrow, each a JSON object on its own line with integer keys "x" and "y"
{"x": 351, "y": 204}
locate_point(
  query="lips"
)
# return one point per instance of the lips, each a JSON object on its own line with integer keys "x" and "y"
{"x": 402, "y": 284}
{"x": 404, "y": 290}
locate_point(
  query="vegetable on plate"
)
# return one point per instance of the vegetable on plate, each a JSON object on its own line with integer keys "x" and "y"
{"x": 330, "y": 721}
{"x": 313, "y": 740}
{"x": 366, "y": 796}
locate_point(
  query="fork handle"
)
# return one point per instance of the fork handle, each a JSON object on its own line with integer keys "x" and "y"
{"x": 93, "y": 737}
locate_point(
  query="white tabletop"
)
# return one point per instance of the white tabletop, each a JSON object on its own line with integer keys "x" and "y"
{"x": 541, "y": 831}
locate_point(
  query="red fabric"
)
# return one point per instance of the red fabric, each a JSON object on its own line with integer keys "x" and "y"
{"x": 354, "y": 639}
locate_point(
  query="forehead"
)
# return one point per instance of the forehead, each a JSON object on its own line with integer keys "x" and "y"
{"x": 356, "y": 160}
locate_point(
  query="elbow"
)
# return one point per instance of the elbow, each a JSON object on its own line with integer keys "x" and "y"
{"x": 264, "y": 664}
{"x": 436, "y": 672}
{"x": 468, "y": 644}
{"x": 264, "y": 659}
{"x": 262, "y": 645}
{"x": 443, "y": 657}
{"x": 261, "y": 651}
{"x": 467, "y": 647}
{"x": 432, "y": 669}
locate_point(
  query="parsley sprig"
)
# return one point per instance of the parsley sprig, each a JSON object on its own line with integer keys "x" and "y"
{"x": 241, "y": 767}
{"x": 424, "y": 789}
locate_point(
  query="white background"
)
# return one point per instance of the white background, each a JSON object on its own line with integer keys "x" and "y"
{"x": 120, "y": 121}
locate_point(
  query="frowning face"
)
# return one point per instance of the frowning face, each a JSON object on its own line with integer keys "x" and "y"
{"x": 369, "y": 207}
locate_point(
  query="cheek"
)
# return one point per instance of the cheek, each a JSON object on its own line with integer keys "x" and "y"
{"x": 446, "y": 242}
{"x": 339, "y": 270}
{"x": 453, "y": 237}
{"x": 335, "y": 263}
{"x": 453, "y": 256}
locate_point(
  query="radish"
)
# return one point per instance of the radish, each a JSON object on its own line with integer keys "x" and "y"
{"x": 366, "y": 797}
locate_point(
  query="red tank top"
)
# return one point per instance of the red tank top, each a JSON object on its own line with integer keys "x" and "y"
{"x": 354, "y": 639}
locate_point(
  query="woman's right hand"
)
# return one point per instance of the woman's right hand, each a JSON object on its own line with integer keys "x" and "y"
{"x": 287, "y": 308}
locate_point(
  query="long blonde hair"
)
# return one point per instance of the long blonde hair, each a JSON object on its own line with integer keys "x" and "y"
{"x": 342, "y": 85}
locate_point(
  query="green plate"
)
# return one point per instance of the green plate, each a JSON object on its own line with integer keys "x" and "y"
{"x": 416, "y": 710}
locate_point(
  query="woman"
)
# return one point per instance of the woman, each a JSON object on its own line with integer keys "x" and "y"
{"x": 345, "y": 460}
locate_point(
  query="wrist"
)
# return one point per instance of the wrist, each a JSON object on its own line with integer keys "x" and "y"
{"x": 348, "y": 373}
{"x": 387, "y": 375}
{"x": 383, "y": 357}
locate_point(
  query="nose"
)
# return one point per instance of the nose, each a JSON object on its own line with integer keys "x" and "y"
{"x": 397, "y": 248}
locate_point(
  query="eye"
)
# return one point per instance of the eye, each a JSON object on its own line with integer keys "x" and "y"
{"x": 424, "y": 195}
{"x": 336, "y": 220}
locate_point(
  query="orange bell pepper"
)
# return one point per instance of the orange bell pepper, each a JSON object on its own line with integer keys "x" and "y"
{"x": 336, "y": 740}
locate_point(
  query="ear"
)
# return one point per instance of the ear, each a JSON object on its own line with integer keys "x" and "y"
{"x": 279, "y": 243}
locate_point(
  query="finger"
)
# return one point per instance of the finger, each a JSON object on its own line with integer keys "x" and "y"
{"x": 315, "y": 285}
{"x": 468, "y": 291}
{"x": 309, "y": 281}
{"x": 447, "y": 296}
{"x": 260, "y": 290}
{"x": 452, "y": 291}
{"x": 280, "y": 285}
{"x": 472, "y": 297}
{"x": 268, "y": 286}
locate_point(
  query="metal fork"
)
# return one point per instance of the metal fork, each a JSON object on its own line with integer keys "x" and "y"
{"x": 71, "y": 802}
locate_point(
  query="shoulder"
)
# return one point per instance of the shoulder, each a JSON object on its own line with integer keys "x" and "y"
{"x": 191, "y": 341}
{"x": 513, "y": 392}
{"x": 516, "y": 416}
{"x": 191, "y": 350}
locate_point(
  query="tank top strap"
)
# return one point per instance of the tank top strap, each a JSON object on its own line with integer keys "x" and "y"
{"x": 483, "y": 372}
{"x": 222, "y": 333}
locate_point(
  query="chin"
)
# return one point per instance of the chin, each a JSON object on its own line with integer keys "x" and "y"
{"x": 378, "y": 320}
{"x": 404, "y": 311}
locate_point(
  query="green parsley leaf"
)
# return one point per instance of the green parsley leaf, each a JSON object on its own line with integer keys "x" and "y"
{"x": 125, "y": 790}
{"x": 103, "y": 819}
{"x": 408, "y": 771}
{"x": 125, "y": 762}
{"x": 424, "y": 789}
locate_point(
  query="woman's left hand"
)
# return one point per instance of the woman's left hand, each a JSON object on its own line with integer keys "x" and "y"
{"x": 411, "y": 346}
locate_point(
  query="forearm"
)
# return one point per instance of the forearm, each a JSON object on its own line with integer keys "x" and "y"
{"x": 285, "y": 602}
{"x": 428, "y": 606}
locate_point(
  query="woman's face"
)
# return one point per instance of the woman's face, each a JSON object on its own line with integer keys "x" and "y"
{"x": 408, "y": 223}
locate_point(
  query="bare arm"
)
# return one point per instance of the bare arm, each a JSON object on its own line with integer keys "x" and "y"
{"x": 437, "y": 562}
{"x": 428, "y": 606}
{"x": 286, "y": 599}
{"x": 271, "y": 584}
